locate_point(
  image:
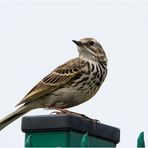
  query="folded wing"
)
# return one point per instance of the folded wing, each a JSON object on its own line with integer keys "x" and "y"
{"x": 56, "y": 79}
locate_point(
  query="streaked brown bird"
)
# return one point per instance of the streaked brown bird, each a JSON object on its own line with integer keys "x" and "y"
{"x": 68, "y": 85}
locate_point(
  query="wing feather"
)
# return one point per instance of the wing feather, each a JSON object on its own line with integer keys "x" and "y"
{"x": 56, "y": 79}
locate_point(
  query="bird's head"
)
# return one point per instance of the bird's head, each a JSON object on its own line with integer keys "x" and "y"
{"x": 90, "y": 49}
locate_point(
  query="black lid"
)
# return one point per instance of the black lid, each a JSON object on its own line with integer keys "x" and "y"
{"x": 70, "y": 122}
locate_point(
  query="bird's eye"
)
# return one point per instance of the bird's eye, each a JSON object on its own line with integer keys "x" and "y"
{"x": 91, "y": 43}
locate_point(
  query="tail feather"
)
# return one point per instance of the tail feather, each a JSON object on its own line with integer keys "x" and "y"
{"x": 13, "y": 116}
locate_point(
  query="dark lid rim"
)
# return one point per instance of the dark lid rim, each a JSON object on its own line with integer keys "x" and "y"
{"x": 70, "y": 122}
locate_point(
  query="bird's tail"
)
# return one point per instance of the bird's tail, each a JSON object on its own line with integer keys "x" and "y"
{"x": 13, "y": 116}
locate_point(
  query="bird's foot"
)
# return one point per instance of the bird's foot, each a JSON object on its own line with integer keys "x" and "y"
{"x": 63, "y": 111}
{"x": 59, "y": 110}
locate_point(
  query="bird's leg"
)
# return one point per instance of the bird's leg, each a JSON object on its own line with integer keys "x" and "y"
{"x": 78, "y": 114}
{"x": 59, "y": 110}
{"x": 64, "y": 111}
{"x": 83, "y": 116}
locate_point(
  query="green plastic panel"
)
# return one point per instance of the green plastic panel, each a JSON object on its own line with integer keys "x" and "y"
{"x": 62, "y": 139}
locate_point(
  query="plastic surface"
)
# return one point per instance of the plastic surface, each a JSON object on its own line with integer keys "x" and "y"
{"x": 70, "y": 123}
{"x": 63, "y": 139}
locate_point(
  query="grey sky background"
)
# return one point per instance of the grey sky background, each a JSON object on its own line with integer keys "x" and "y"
{"x": 35, "y": 37}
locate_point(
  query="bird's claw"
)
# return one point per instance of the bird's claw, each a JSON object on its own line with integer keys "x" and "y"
{"x": 63, "y": 111}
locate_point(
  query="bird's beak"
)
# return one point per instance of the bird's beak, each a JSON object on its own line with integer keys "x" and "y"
{"x": 78, "y": 43}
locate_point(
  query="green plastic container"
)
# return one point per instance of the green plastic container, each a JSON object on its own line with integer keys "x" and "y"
{"x": 67, "y": 131}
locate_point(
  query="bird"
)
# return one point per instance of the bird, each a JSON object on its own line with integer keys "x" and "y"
{"x": 69, "y": 85}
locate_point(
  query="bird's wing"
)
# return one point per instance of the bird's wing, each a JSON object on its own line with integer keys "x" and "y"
{"x": 56, "y": 79}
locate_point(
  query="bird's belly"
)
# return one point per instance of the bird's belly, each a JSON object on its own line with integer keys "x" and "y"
{"x": 71, "y": 96}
